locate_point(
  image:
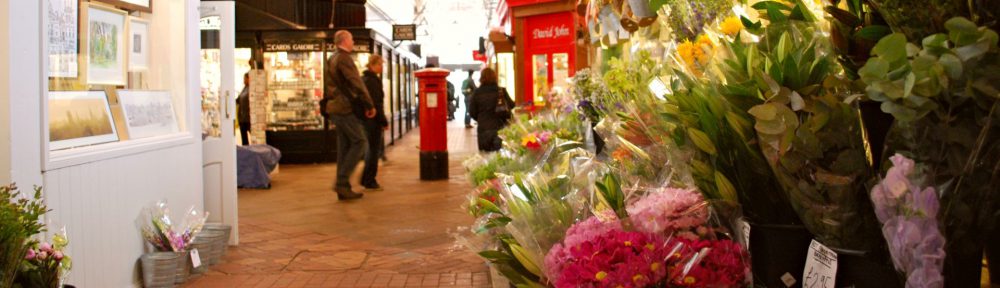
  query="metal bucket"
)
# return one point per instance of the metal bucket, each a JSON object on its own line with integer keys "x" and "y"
{"x": 159, "y": 269}
{"x": 183, "y": 267}
{"x": 226, "y": 230}
{"x": 205, "y": 243}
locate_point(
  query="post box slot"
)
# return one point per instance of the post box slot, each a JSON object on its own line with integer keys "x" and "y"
{"x": 432, "y": 86}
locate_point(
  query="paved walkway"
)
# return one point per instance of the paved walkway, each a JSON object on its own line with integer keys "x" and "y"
{"x": 298, "y": 235}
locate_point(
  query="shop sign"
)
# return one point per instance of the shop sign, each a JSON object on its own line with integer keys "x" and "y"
{"x": 549, "y": 32}
{"x": 550, "y": 29}
{"x": 360, "y": 46}
{"x": 478, "y": 56}
{"x": 404, "y": 32}
{"x": 292, "y": 47}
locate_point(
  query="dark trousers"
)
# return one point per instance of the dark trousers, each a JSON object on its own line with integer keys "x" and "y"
{"x": 351, "y": 146}
{"x": 374, "y": 132}
{"x": 245, "y": 133}
{"x": 468, "y": 119}
{"x": 489, "y": 141}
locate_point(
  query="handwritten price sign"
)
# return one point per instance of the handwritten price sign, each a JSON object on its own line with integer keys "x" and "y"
{"x": 821, "y": 267}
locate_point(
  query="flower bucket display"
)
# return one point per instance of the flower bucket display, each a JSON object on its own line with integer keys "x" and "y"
{"x": 207, "y": 243}
{"x": 183, "y": 267}
{"x": 226, "y": 230}
{"x": 159, "y": 269}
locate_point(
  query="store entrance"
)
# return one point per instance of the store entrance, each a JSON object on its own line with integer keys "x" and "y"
{"x": 218, "y": 112}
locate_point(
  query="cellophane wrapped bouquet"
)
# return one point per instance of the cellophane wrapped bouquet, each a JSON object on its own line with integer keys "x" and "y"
{"x": 46, "y": 263}
{"x": 160, "y": 231}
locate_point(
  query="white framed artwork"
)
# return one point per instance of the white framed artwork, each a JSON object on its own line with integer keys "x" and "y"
{"x": 79, "y": 118}
{"x": 64, "y": 27}
{"x": 138, "y": 59}
{"x": 147, "y": 113}
{"x": 104, "y": 47}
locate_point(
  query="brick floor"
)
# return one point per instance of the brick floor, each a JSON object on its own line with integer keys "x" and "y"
{"x": 298, "y": 235}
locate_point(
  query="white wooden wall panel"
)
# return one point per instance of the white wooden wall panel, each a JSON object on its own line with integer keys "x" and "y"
{"x": 99, "y": 203}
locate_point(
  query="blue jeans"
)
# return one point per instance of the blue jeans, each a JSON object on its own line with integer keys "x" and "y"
{"x": 351, "y": 147}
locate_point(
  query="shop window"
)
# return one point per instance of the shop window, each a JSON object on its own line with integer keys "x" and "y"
{"x": 541, "y": 78}
{"x": 116, "y": 73}
{"x": 294, "y": 88}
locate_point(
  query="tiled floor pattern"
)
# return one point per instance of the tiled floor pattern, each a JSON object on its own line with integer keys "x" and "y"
{"x": 298, "y": 235}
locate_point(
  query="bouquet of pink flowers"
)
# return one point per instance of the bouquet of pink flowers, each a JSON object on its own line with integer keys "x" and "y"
{"x": 670, "y": 238}
{"x": 46, "y": 263}
{"x": 159, "y": 230}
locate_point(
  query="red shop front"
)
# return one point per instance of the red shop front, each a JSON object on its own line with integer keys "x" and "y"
{"x": 547, "y": 52}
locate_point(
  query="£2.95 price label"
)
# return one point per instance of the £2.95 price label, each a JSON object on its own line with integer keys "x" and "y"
{"x": 821, "y": 267}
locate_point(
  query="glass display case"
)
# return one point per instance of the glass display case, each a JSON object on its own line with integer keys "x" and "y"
{"x": 294, "y": 89}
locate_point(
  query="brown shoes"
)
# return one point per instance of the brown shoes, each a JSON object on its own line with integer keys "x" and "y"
{"x": 347, "y": 194}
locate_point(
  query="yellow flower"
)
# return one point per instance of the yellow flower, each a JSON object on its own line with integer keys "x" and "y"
{"x": 689, "y": 280}
{"x": 650, "y": 247}
{"x": 527, "y": 139}
{"x": 637, "y": 278}
{"x": 731, "y": 26}
{"x": 703, "y": 40}
{"x": 655, "y": 266}
{"x": 601, "y": 275}
{"x": 628, "y": 243}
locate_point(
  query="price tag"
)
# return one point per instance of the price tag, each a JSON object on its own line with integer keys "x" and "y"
{"x": 744, "y": 232}
{"x": 432, "y": 100}
{"x": 195, "y": 258}
{"x": 821, "y": 267}
{"x": 788, "y": 279}
{"x": 658, "y": 88}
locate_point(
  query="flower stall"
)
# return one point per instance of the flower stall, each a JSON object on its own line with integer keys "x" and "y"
{"x": 748, "y": 143}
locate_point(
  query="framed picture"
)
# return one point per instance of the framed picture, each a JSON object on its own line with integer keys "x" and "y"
{"x": 147, "y": 113}
{"x": 138, "y": 59}
{"x": 132, "y": 5}
{"x": 104, "y": 29}
{"x": 79, "y": 118}
{"x": 64, "y": 27}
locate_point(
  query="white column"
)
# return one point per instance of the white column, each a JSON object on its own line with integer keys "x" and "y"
{"x": 21, "y": 91}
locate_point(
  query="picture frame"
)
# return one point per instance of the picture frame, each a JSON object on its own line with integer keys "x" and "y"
{"x": 147, "y": 113}
{"x": 64, "y": 41}
{"x": 104, "y": 31}
{"x": 138, "y": 39}
{"x": 132, "y": 5}
{"x": 80, "y": 118}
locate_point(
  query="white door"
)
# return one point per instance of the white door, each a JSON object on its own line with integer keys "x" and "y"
{"x": 218, "y": 104}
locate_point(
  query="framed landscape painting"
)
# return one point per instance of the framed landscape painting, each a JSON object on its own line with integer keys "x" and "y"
{"x": 147, "y": 113}
{"x": 132, "y": 5}
{"x": 79, "y": 118}
{"x": 138, "y": 59}
{"x": 104, "y": 45}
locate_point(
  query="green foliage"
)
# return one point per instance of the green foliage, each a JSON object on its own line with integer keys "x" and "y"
{"x": 20, "y": 219}
{"x": 911, "y": 82}
{"x": 811, "y": 140}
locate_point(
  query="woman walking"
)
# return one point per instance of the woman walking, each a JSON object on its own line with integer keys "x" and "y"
{"x": 374, "y": 126}
{"x": 491, "y": 107}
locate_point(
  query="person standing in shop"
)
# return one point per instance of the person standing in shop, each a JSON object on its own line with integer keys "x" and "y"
{"x": 243, "y": 114}
{"x": 468, "y": 86}
{"x": 491, "y": 107}
{"x": 346, "y": 91}
{"x": 374, "y": 126}
{"x": 452, "y": 102}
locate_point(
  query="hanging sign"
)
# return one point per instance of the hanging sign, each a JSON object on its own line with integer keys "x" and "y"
{"x": 360, "y": 46}
{"x": 293, "y": 47}
{"x": 478, "y": 56}
{"x": 404, "y": 32}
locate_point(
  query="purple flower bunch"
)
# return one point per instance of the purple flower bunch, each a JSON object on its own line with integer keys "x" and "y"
{"x": 908, "y": 213}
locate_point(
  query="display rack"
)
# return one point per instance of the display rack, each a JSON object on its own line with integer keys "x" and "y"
{"x": 294, "y": 89}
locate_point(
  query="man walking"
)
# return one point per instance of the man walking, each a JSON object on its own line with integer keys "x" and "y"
{"x": 346, "y": 92}
{"x": 468, "y": 86}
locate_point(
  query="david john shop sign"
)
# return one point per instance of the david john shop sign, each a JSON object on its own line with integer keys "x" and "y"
{"x": 550, "y": 32}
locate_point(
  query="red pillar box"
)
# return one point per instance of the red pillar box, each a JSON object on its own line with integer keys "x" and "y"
{"x": 433, "y": 123}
